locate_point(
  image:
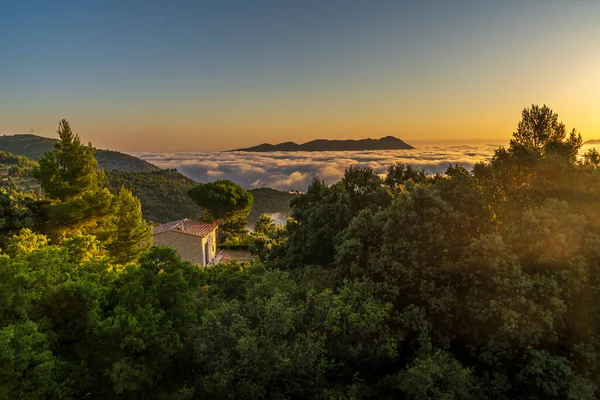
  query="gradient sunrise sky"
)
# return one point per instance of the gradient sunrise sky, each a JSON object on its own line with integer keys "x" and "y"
{"x": 212, "y": 75}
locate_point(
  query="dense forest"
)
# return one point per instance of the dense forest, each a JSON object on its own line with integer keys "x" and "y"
{"x": 473, "y": 284}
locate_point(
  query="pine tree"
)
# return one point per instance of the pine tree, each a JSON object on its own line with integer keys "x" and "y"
{"x": 132, "y": 234}
{"x": 74, "y": 184}
{"x": 222, "y": 200}
{"x": 70, "y": 171}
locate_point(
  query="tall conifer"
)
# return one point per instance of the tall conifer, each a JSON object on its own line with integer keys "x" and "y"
{"x": 131, "y": 233}
{"x": 71, "y": 179}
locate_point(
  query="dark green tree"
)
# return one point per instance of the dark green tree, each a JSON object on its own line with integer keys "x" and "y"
{"x": 437, "y": 376}
{"x": 364, "y": 188}
{"x": 227, "y": 204}
{"x": 264, "y": 225}
{"x": 591, "y": 159}
{"x": 72, "y": 181}
{"x": 268, "y": 240}
{"x": 222, "y": 200}
{"x": 399, "y": 173}
{"x": 14, "y": 215}
{"x": 130, "y": 233}
{"x": 149, "y": 335}
{"x": 317, "y": 217}
{"x": 29, "y": 368}
{"x": 70, "y": 171}
{"x": 540, "y": 131}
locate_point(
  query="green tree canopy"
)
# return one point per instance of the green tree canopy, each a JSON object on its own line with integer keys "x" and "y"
{"x": 222, "y": 200}
{"x": 472, "y": 284}
{"x": 73, "y": 183}
{"x": 264, "y": 225}
{"x": 70, "y": 171}
{"x": 130, "y": 233}
{"x": 399, "y": 173}
{"x": 540, "y": 130}
{"x": 15, "y": 215}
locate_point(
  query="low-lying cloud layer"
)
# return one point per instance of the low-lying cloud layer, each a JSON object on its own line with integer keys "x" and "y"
{"x": 295, "y": 170}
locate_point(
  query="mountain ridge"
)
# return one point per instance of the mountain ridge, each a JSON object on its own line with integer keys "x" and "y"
{"x": 593, "y": 141}
{"x": 34, "y": 146}
{"x": 384, "y": 143}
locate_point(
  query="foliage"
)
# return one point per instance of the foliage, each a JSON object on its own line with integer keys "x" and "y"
{"x": 225, "y": 203}
{"x": 591, "y": 159}
{"x": 436, "y": 376}
{"x": 77, "y": 210}
{"x": 497, "y": 261}
{"x": 400, "y": 173}
{"x": 17, "y": 165}
{"x": 131, "y": 235}
{"x": 70, "y": 170}
{"x": 71, "y": 179}
{"x": 222, "y": 200}
{"x": 155, "y": 189}
{"x": 481, "y": 284}
{"x": 268, "y": 240}
{"x": 231, "y": 230}
{"x": 15, "y": 214}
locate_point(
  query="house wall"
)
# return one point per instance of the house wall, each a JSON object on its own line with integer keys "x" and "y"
{"x": 189, "y": 247}
{"x": 212, "y": 245}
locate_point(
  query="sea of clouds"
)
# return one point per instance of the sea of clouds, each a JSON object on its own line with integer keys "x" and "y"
{"x": 295, "y": 170}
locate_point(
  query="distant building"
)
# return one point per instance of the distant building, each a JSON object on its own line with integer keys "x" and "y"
{"x": 195, "y": 241}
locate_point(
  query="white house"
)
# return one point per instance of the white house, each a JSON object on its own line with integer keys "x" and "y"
{"x": 195, "y": 241}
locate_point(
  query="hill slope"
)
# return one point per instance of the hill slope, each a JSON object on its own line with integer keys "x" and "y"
{"x": 33, "y": 146}
{"x": 17, "y": 161}
{"x": 596, "y": 141}
{"x": 16, "y": 172}
{"x": 164, "y": 198}
{"x": 385, "y": 143}
{"x": 163, "y": 193}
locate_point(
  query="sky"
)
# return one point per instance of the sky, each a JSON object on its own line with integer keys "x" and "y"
{"x": 173, "y": 76}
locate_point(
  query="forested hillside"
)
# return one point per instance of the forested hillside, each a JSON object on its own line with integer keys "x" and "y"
{"x": 17, "y": 173}
{"x": 164, "y": 198}
{"x": 481, "y": 284}
{"x": 33, "y": 146}
{"x": 16, "y": 161}
{"x": 163, "y": 194}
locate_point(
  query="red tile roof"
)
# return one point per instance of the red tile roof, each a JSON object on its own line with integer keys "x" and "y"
{"x": 188, "y": 226}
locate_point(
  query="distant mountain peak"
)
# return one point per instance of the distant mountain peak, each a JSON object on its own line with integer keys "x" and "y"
{"x": 384, "y": 143}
